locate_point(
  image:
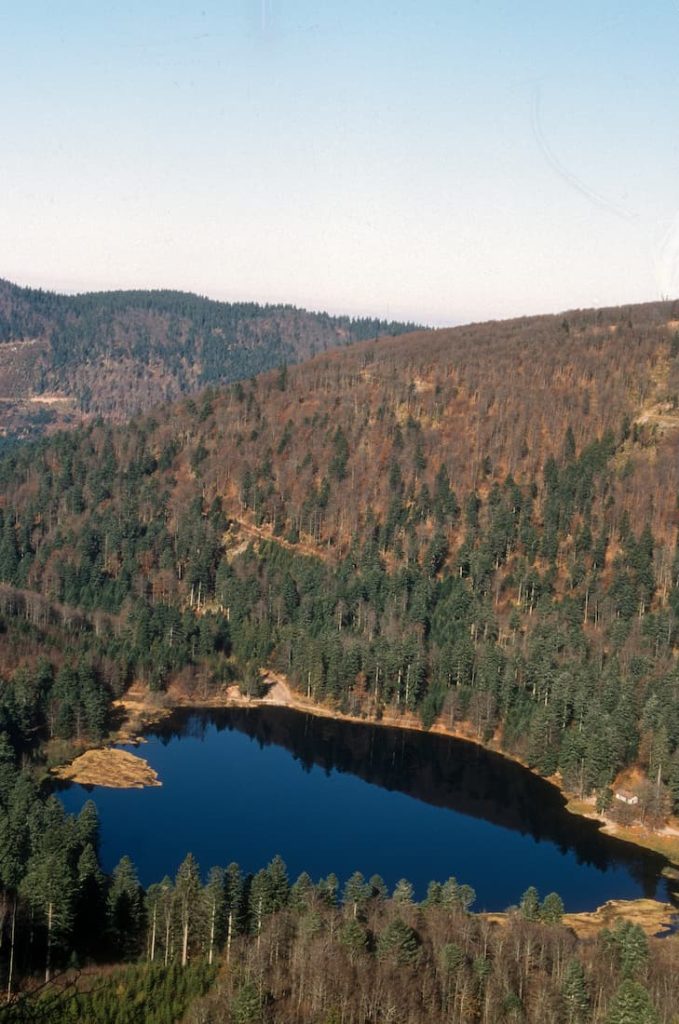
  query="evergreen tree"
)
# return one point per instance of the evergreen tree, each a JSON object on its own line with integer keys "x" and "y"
{"x": 356, "y": 893}
{"x": 125, "y": 909}
{"x": 629, "y": 944}
{"x": 354, "y": 938}
{"x": 574, "y": 991}
{"x": 234, "y": 896}
{"x": 90, "y": 900}
{"x": 399, "y": 943}
{"x": 187, "y": 890}
{"x": 301, "y": 893}
{"x": 87, "y": 825}
{"x": 278, "y": 885}
{"x": 403, "y": 891}
{"x": 632, "y": 1005}
{"x": 377, "y": 888}
{"x": 49, "y": 888}
{"x": 529, "y": 904}
{"x": 552, "y": 908}
{"x": 214, "y": 896}
{"x": 327, "y": 889}
{"x": 247, "y": 1005}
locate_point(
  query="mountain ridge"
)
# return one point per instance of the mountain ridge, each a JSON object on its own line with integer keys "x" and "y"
{"x": 67, "y": 358}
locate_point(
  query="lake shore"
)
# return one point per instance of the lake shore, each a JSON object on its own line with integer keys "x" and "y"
{"x": 138, "y": 709}
{"x": 656, "y": 919}
{"x": 142, "y": 709}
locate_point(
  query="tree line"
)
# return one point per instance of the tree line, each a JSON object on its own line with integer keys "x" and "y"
{"x": 99, "y": 347}
{"x": 258, "y": 948}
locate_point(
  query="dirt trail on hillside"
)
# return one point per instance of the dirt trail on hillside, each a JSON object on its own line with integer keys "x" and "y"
{"x": 658, "y": 410}
{"x": 299, "y": 547}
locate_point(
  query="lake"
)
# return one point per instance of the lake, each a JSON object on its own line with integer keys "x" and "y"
{"x": 244, "y": 784}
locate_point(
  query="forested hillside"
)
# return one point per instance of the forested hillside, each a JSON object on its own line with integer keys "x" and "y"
{"x": 112, "y": 354}
{"x": 479, "y": 522}
{"x": 477, "y": 525}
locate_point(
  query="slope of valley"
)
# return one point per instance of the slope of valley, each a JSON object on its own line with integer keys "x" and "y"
{"x": 471, "y": 526}
{"x": 66, "y": 359}
{"x": 479, "y": 520}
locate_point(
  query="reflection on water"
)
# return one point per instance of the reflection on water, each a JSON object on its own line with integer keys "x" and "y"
{"x": 243, "y": 784}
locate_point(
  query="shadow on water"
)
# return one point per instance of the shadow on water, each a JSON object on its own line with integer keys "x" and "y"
{"x": 671, "y": 929}
{"x": 437, "y": 770}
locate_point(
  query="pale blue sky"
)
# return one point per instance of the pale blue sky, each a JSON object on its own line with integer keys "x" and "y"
{"x": 437, "y": 161}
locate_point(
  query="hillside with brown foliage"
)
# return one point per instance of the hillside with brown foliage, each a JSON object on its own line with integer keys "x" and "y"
{"x": 486, "y": 401}
{"x": 478, "y": 522}
{"x": 65, "y": 359}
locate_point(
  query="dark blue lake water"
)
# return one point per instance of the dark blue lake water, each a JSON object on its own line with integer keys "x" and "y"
{"x": 243, "y": 785}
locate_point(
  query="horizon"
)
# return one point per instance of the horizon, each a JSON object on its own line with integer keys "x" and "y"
{"x": 444, "y": 167}
{"x": 423, "y": 325}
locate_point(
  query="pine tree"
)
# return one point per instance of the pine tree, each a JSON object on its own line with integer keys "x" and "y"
{"x": 152, "y": 907}
{"x": 574, "y": 993}
{"x": 214, "y": 898}
{"x": 87, "y": 825}
{"x": 398, "y": 942}
{"x": 631, "y": 1005}
{"x": 327, "y": 889}
{"x": 378, "y": 888}
{"x": 279, "y": 886}
{"x": 13, "y": 851}
{"x": 450, "y": 892}
{"x": 403, "y": 891}
{"x": 354, "y": 937}
{"x": 165, "y": 917}
{"x": 90, "y": 902}
{"x": 356, "y": 893}
{"x": 630, "y": 945}
{"x": 434, "y": 893}
{"x": 247, "y": 1005}
{"x": 186, "y": 896}
{"x": 529, "y": 904}
{"x": 49, "y": 888}
{"x": 552, "y": 908}
{"x": 234, "y": 892}
{"x": 125, "y": 908}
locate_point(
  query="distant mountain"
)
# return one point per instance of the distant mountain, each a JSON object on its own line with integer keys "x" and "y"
{"x": 112, "y": 354}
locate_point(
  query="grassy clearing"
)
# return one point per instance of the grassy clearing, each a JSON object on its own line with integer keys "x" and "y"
{"x": 117, "y": 769}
